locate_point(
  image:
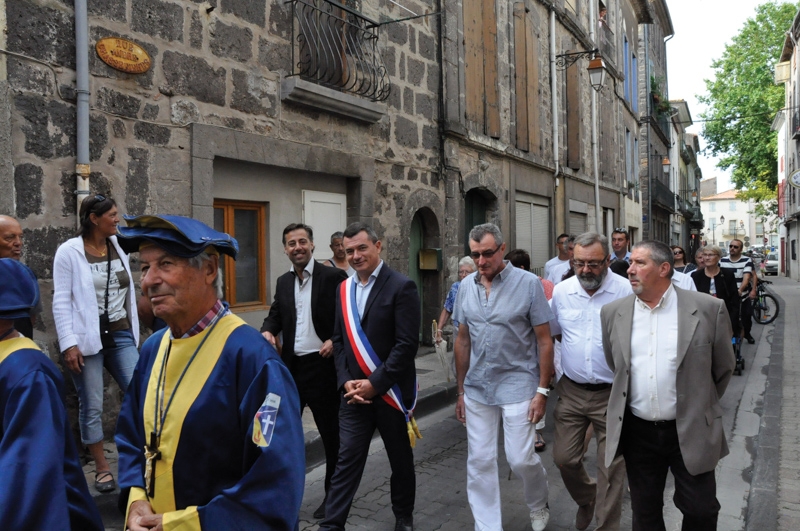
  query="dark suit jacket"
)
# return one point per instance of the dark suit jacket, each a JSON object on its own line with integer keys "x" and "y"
{"x": 283, "y": 314}
{"x": 391, "y": 322}
{"x": 705, "y": 365}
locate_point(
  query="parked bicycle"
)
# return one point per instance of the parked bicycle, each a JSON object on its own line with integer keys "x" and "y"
{"x": 765, "y": 305}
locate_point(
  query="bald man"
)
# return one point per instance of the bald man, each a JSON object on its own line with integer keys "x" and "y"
{"x": 11, "y": 247}
{"x": 10, "y": 238}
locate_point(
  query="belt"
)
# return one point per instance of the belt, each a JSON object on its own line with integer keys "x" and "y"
{"x": 661, "y": 424}
{"x": 588, "y": 386}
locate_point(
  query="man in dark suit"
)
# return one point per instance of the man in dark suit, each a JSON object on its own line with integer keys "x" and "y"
{"x": 304, "y": 310}
{"x": 670, "y": 351}
{"x": 386, "y": 304}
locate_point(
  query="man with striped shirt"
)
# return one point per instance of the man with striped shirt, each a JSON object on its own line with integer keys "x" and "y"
{"x": 742, "y": 267}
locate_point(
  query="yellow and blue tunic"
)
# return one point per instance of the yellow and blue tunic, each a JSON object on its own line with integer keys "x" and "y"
{"x": 42, "y": 485}
{"x": 232, "y": 449}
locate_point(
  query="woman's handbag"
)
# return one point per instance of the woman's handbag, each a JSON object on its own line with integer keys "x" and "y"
{"x": 106, "y": 337}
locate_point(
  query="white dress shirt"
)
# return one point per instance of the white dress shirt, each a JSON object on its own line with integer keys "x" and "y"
{"x": 363, "y": 290}
{"x": 306, "y": 340}
{"x": 577, "y": 319}
{"x": 555, "y": 268}
{"x": 654, "y": 358}
{"x": 683, "y": 281}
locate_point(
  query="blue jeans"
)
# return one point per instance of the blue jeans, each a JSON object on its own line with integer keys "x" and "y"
{"x": 120, "y": 362}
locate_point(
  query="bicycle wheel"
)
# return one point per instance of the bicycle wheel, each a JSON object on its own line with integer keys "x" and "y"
{"x": 765, "y": 309}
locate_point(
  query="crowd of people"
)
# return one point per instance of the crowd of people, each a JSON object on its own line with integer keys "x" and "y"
{"x": 210, "y": 436}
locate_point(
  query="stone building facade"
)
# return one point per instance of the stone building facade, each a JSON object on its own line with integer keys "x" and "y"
{"x": 247, "y": 119}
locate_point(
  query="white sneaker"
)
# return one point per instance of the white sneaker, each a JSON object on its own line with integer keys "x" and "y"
{"x": 540, "y": 518}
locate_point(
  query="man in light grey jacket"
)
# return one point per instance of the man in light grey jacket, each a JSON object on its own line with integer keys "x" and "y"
{"x": 670, "y": 350}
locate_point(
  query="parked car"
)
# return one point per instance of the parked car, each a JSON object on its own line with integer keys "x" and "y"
{"x": 771, "y": 264}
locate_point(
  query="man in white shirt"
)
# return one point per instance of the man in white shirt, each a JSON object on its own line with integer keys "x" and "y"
{"x": 671, "y": 354}
{"x": 585, "y": 386}
{"x": 303, "y": 311}
{"x": 555, "y": 268}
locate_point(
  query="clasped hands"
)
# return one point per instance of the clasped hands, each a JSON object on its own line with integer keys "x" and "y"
{"x": 142, "y": 518}
{"x": 359, "y": 391}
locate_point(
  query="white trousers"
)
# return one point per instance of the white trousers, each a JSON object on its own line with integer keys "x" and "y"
{"x": 483, "y": 484}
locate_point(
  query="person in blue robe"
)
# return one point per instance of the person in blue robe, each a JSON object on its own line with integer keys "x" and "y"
{"x": 42, "y": 485}
{"x": 208, "y": 433}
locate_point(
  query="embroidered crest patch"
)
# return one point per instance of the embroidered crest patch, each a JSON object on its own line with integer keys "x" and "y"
{"x": 264, "y": 421}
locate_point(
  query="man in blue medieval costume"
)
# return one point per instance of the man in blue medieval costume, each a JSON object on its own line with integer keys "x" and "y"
{"x": 42, "y": 485}
{"x": 208, "y": 434}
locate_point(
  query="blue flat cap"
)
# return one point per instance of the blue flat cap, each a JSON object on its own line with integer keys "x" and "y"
{"x": 178, "y": 235}
{"x": 19, "y": 290}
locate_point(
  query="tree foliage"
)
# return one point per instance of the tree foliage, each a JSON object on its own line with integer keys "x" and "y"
{"x": 743, "y": 99}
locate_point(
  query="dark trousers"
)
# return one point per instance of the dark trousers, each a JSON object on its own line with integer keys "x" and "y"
{"x": 650, "y": 450}
{"x": 315, "y": 378}
{"x": 746, "y": 315}
{"x": 357, "y": 424}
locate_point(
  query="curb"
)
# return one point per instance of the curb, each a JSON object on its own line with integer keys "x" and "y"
{"x": 430, "y": 400}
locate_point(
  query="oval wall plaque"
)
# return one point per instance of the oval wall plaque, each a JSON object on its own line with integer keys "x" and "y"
{"x": 124, "y": 55}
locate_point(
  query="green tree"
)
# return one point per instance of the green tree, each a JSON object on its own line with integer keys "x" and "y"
{"x": 743, "y": 99}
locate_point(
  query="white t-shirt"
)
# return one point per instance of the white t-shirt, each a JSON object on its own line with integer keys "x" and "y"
{"x": 555, "y": 268}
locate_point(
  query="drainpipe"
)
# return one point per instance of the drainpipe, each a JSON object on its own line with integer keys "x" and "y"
{"x": 82, "y": 168}
{"x": 598, "y": 210}
{"x": 554, "y": 90}
{"x": 647, "y": 147}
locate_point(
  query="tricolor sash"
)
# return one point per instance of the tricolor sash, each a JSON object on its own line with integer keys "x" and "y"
{"x": 366, "y": 357}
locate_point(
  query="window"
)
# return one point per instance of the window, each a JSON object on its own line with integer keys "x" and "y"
{"x": 712, "y": 206}
{"x": 626, "y": 67}
{"x": 533, "y": 228}
{"x": 244, "y": 278}
{"x": 759, "y": 228}
{"x": 732, "y": 206}
{"x": 732, "y": 226}
{"x": 634, "y": 83}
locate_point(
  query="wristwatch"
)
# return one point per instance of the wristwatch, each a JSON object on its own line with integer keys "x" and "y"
{"x": 543, "y": 391}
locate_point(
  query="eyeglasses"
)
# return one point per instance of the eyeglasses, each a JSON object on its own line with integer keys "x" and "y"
{"x": 591, "y": 265}
{"x": 485, "y": 254}
{"x": 734, "y": 247}
{"x": 99, "y": 198}
{"x": 676, "y": 253}
{"x": 621, "y": 229}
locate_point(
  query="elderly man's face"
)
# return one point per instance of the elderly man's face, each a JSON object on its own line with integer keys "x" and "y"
{"x": 177, "y": 291}
{"x": 487, "y": 255}
{"x": 337, "y": 247}
{"x": 10, "y": 238}
{"x": 645, "y": 275}
{"x": 591, "y": 266}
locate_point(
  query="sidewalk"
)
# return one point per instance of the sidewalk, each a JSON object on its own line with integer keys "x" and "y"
{"x": 774, "y": 501}
{"x": 434, "y": 392}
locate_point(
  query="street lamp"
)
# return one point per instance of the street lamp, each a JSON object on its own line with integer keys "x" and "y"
{"x": 597, "y": 74}
{"x": 713, "y": 231}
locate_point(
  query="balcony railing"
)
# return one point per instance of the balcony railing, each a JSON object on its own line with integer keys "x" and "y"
{"x": 336, "y": 46}
{"x": 606, "y": 41}
{"x": 662, "y": 195}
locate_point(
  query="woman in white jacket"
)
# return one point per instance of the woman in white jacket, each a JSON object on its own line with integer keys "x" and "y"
{"x": 93, "y": 290}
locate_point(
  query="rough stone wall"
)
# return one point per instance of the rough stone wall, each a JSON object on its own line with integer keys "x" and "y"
{"x": 217, "y": 62}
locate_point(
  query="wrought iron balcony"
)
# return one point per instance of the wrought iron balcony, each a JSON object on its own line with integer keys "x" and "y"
{"x": 606, "y": 41}
{"x": 663, "y": 196}
{"x": 337, "y": 47}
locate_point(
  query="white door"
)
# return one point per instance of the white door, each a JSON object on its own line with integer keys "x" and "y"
{"x": 325, "y": 213}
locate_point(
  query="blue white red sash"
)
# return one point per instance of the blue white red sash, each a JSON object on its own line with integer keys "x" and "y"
{"x": 365, "y": 355}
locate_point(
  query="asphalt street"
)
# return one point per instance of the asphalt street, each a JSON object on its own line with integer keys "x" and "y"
{"x": 757, "y": 483}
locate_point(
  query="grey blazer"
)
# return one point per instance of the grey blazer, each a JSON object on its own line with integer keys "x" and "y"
{"x": 705, "y": 364}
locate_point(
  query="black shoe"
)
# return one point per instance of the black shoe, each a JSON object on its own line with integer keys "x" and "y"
{"x": 319, "y": 514}
{"x": 404, "y": 524}
{"x": 750, "y": 339}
